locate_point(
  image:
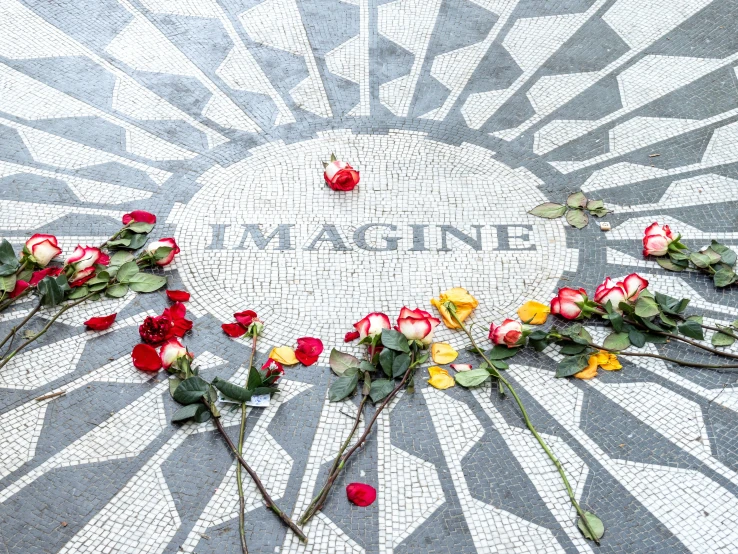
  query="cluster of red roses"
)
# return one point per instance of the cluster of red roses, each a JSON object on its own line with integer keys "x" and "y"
{"x": 163, "y": 331}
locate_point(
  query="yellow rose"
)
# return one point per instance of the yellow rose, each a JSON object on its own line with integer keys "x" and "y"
{"x": 443, "y": 353}
{"x": 606, "y": 360}
{"x": 284, "y": 355}
{"x": 464, "y": 302}
{"x": 533, "y": 313}
{"x": 440, "y": 379}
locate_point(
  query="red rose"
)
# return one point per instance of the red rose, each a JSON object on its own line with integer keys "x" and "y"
{"x": 507, "y": 334}
{"x": 155, "y": 330}
{"x": 656, "y": 240}
{"x": 41, "y": 273}
{"x": 244, "y": 320}
{"x": 308, "y": 350}
{"x": 180, "y": 324}
{"x": 165, "y": 243}
{"x": 341, "y": 176}
{"x": 146, "y": 358}
{"x": 361, "y": 494}
{"x": 172, "y": 351}
{"x": 274, "y": 371}
{"x": 139, "y": 216}
{"x": 83, "y": 260}
{"x": 351, "y": 335}
{"x": 178, "y": 295}
{"x": 101, "y": 323}
{"x": 569, "y": 303}
{"x": 371, "y": 325}
{"x": 417, "y": 324}
{"x": 20, "y": 286}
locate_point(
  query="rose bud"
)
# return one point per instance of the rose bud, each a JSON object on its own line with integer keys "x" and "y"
{"x": 308, "y": 350}
{"x": 372, "y": 325}
{"x": 417, "y": 324}
{"x": 146, "y": 358}
{"x": 163, "y": 243}
{"x": 610, "y": 291}
{"x": 657, "y": 239}
{"x": 39, "y": 275}
{"x": 569, "y": 303}
{"x": 340, "y": 176}
{"x": 42, "y": 249}
{"x": 139, "y": 216}
{"x": 171, "y": 352}
{"x": 272, "y": 371}
{"x": 155, "y": 330}
{"x": 508, "y": 333}
{"x": 101, "y": 323}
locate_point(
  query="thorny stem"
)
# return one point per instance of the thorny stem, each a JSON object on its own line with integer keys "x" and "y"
{"x": 239, "y": 480}
{"x": 317, "y": 503}
{"x": 18, "y": 327}
{"x": 44, "y": 330}
{"x": 533, "y": 430}
{"x": 265, "y": 495}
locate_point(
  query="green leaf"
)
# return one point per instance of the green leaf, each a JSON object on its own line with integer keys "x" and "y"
{"x": 120, "y": 258}
{"x": 162, "y": 252}
{"x": 727, "y": 256}
{"x": 616, "y": 320}
{"x": 140, "y": 227}
{"x": 576, "y": 200}
{"x": 126, "y": 271}
{"x": 671, "y": 305}
{"x": 231, "y": 391}
{"x": 117, "y": 290}
{"x": 386, "y": 359}
{"x": 692, "y": 329}
{"x": 637, "y": 338}
{"x": 646, "y": 306}
{"x": 340, "y": 361}
{"x": 51, "y": 292}
{"x": 699, "y": 259}
{"x": 7, "y": 254}
{"x": 499, "y": 364}
{"x": 186, "y": 412}
{"x": 735, "y": 324}
{"x": 121, "y": 241}
{"x": 136, "y": 241}
{"x": 173, "y": 384}
{"x": 190, "y": 390}
{"x": 78, "y": 292}
{"x": 472, "y": 378}
{"x": 721, "y": 339}
{"x": 724, "y": 276}
{"x": 617, "y": 341}
{"x": 146, "y": 282}
{"x": 202, "y": 414}
{"x": 366, "y": 366}
{"x": 255, "y": 380}
{"x": 548, "y": 210}
{"x": 7, "y": 282}
{"x": 655, "y": 339}
{"x": 672, "y": 265}
{"x": 343, "y": 387}
{"x": 500, "y": 352}
{"x": 394, "y": 340}
{"x": 380, "y": 389}
{"x": 577, "y": 218}
{"x": 265, "y": 390}
{"x": 595, "y": 523}
{"x": 595, "y": 205}
{"x": 571, "y": 365}
{"x": 573, "y": 348}
{"x": 400, "y": 365}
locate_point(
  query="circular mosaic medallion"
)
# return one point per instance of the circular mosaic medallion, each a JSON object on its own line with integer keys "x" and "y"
{"x": 266, "y": 233}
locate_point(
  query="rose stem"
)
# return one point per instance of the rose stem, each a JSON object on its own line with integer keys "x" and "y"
{"x": 239, "y": 480}
{"x": 725, "y": 331}
{"x": 8, "y": 301}
{"x": 317, "y": 504}
{"x": 267, "y": 498}
{"x": 15, "y": 329}
{"x": 337, "y": 461}
{"x": 45, "y": 328}
{"x": 686, "y": 340}
{"x": 533, "y": 430}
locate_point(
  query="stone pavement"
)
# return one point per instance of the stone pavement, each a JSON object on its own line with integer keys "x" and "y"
{"x": 461, "y": 115}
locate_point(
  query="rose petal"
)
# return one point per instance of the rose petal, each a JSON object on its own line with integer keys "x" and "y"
{"x": 146, "y": 358}
{"x": 101, "y": 323}
{"x": 234, "y": 330}
{"x": 178, "y": 295}
{"x": 284, "y": 355}
{"x": 533, "y": 313}
{"x": 361, "y": 494}
{"x": 20, "y": 286}
{"x": 308, "y": 350}
{"x": 139, "y": 216}
{"x": 439, "y": 378}
{"x": 461, "y": 367}
{"x": 351, "y": 335}
{"x": 442, "y": 353}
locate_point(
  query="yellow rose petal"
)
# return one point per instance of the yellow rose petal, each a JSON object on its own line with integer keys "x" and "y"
{"x": 442, "y": 353}
{"x": 284, "y": 355}
{"x": 589, "y": 372}
{"x": 464, "y": 302}
{"x": 534, "y": 313}
{"x": 612, "y": 363}
{"x": 440, "y": 379}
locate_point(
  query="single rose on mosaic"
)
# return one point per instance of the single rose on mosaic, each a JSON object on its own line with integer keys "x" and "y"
{"x": 339, "y": 175}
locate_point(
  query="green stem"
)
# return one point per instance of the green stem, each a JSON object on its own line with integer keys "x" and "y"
{"x": 724, "y": 331}
{"x": 8, "y": 301}
{"x": 18, "y": 327}
{"x": 532, "y": 429}
{"x": 685, "y": 340}
{"x": 239, "y": 479}
{"x": 44, "y": 330}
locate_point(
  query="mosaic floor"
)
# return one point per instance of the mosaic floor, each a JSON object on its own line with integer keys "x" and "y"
{"x": 461, "y": 115}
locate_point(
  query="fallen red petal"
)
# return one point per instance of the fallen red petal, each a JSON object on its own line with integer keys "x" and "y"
{"x": 308, "y": 350}
{"x": 351, "y": 335}
{"x": 101, "y": 323}
{"x": 146, "y": 358}
{"x": 361, "y": 494}
{"x": 233, "y": 329}
{"x": 178, "y": 295}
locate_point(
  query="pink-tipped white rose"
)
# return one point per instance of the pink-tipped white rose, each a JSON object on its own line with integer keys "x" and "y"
{"x": 626, "y": 290}
{"x": 165, "y": 243}
{"x": 508, "y": 333}
{"x": 372, "y": 325}
{"x": 42, "y": 248}
{"x": 417, "y": 325}
{"x": 172, "y": 351}
{"x": 569, "y": 303}
{"x": 657, "y": 239}
{"x": 341, "y": 176}
{"x": 84, "y": 259}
